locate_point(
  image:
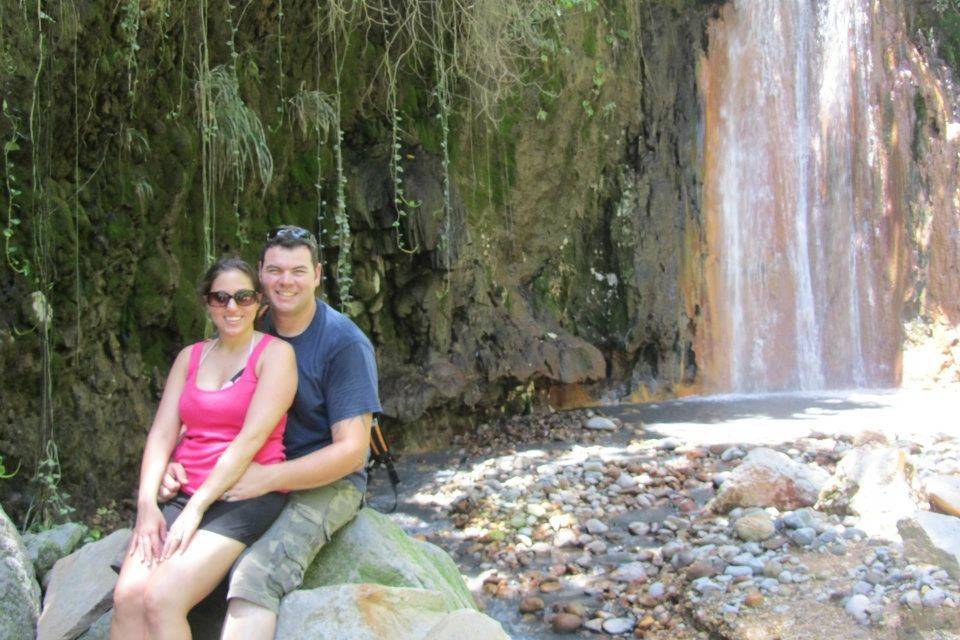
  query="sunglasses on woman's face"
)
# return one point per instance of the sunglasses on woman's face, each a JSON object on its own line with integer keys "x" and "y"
{"x": 243, "y": 298}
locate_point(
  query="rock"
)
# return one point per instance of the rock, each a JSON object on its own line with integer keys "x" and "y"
{"x": 372, "y": 549}
{"x": 702, "y": 569}
{"x": 615, "y": 626}
{"x": 595, "y": 527}
{"x": 934, "y": 597}
{"x": 630, "y": 572}
{"x": 857, "y": 607}
{"x": 19, "y": 591}
{"x": 531, "y": 604}
{"x": 46, "y": 547}
{"x": 566, "y": 623}
{"x": 69, "y": 611}
{"x": 99, "y": 630}
{"x": 943, "y": 493}
{"x": 933, "y": 538}
{"x": 756, "y": 526}
{"x": 599, "y": 423}
{"x": 803, "y": 536}
{"x": 374, "y": 611}
{"x": 768, "y": 478}
{"x": 873, "y": 483}
{"x": 753, "y": 599}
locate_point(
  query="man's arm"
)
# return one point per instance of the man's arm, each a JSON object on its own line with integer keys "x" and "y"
{"x": 346, "y": 454}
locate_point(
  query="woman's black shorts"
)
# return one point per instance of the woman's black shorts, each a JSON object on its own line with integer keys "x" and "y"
{"x": 243, "y": 520}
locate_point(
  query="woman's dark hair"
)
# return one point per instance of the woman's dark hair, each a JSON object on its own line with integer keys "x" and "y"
{"x": 227, "y": 263}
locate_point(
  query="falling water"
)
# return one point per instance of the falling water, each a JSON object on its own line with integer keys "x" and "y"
{"x": 806, "y": 144}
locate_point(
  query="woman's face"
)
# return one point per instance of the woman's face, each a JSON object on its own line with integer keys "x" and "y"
{"x": 232, "y": 319}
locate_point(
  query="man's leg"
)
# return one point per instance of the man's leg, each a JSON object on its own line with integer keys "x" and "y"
{"x": 274, "y": 565}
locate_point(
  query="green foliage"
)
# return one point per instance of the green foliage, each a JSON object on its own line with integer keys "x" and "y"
{"x": 50, "y": 504}
{"x": 15, "y": 254}
{"x": 129, "y": 27}
{"x": 942, "y": 25}
{"x": 3, "y": 470}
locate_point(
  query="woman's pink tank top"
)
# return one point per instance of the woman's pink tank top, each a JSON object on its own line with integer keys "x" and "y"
{"x": 214, "y": 418}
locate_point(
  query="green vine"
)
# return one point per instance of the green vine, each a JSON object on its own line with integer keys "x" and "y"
{"x": 16, "y": 257}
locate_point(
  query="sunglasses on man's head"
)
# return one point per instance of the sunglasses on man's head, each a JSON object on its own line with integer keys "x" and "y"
{"x": 287, "y": 231}
{"x": 243, "y": 298}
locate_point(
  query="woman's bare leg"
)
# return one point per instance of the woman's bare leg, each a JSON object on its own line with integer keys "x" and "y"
{"x": 129, "y": 619}
{"x": 180, "y": 582}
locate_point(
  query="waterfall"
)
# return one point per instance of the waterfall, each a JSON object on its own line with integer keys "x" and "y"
{"x": 806, "y": 144}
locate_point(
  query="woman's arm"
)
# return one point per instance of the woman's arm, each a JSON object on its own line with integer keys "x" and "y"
{"x": 276, "y": 387}
{"x": 150, "y": 528}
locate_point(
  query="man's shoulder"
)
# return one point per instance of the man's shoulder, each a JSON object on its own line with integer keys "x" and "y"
{"x": 341, "y": 331}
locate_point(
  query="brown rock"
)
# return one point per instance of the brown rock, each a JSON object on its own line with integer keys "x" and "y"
{"x": 943, "y": 492}
{"x": 768, "y": 478}
{"x": 566, "y": 623}
{"x": 753, "y": 599}
{"x": 531, "y": 604}
{"x": 549, "y": 586}
{"x": 701, "y": 569}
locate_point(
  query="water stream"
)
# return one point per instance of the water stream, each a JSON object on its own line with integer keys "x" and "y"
{"x": 806, "y": 144}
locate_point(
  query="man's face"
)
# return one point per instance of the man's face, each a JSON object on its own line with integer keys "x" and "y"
{"x": 289, "y": 279}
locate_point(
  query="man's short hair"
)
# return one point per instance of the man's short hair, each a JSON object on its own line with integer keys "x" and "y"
{"x": 290, "y": 237}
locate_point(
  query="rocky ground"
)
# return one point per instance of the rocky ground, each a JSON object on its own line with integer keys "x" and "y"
{"x": 792, "y": 517}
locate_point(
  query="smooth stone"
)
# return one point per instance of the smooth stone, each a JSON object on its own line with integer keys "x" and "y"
{"x": 755, "y": 527}
{"x": 615, "y": 626}
{"x": 857, "y": 606}
{"x": 599, "y": 423}
{"x": 934, "y": 598}
{"x": 566, "y": 623}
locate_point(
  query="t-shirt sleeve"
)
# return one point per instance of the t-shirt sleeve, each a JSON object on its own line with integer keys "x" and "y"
{"x": 351, "y": 383}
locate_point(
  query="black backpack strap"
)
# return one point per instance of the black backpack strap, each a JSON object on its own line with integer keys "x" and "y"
{"x": 380, "y": 456}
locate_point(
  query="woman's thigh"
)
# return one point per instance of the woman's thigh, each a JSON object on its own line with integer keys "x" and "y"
{"x": 186, "y": 578}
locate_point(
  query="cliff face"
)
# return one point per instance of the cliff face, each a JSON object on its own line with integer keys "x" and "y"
{"x": 555, "y": 253}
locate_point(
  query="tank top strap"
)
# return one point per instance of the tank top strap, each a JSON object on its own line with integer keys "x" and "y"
{"x": 195, "y": 352}
{"x": 251, "y": 367}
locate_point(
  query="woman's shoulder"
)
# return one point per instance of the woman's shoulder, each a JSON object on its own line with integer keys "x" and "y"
{"x": 276, "y": 348}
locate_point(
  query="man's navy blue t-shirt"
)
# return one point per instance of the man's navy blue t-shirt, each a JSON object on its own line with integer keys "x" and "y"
{"x": 337, "y": 372}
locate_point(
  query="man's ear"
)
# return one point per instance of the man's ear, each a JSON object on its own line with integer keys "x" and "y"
{"x": 318, "y": 271}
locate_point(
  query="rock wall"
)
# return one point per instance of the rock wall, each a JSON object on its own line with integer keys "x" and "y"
{"x": 558, "y": 256}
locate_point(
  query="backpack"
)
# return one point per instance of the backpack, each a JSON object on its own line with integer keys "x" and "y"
{"x": 380, "y": 456}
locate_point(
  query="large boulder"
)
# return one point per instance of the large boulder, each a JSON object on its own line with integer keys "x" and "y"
{"x": 768, "y": 478}
{"x": 46, "y": 547}
{"x": 81, "y": 588}
{"x": 873, "y": 483}
{"x": 373, "y": 611}
{"x": 19, "y": 591}
{"x": 372, "y": 549}
{"x": 932, "y": 538}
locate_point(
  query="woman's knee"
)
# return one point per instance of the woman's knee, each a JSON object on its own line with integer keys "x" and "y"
{"x": 128, "y": 596}
{"x": 162, "y": 599}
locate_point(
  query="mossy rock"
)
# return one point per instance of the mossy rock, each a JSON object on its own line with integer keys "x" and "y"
{"x": 372, "y": 549}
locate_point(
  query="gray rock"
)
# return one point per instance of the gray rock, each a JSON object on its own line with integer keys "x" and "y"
{"x": 934, "y": 597}
{"x": 595, "y": 527}
{"x": 69, "y": 611}
{"x": 738, "y": 571}
{"x": 912, "y": 599}
{"x": 46, "y": 547}
{"x": 630, "y": 572}
{"x": 857, "y": 607}
{"x": 616, "y": 626}
{"x": 599, "y": 423}
{"x": 374, "y": 611}
{"x": 19, "y": 591}
{"x": 768, "y": 478}
{"x": 932, "y": 538}
{"x": 803, "y": 536}
{"x": 705, "y": 586}
{"x": 99, "y": 630}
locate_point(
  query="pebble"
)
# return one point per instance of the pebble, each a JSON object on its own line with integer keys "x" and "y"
{"x": 756, "y": 526}
{"x": 566, "y": 623}
{"x": 599, "y": 423}
{"x": 803, "y": 536}
{"x": 934, "y": 597}
{"x": 857, "y": 607}
{"x": 615, "y": 626}
{"x": 912, "y": 599}
{"x": 595, "y": 527}
{"x": 531, "y": 604}
{"x": 753, "y": 599}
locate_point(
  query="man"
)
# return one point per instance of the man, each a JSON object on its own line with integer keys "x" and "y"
{"x": 326, "y": 439}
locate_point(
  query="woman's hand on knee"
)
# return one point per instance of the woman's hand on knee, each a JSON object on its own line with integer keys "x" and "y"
{"x": 149, "y": 535}
{"x": 182, "y": 531}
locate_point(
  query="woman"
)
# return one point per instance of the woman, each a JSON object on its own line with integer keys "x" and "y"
{"x": 231, "y": 394}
